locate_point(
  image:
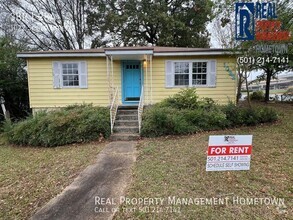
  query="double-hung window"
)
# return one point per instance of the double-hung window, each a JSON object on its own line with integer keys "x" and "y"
{"x": 69, "y": 74}
{"x": 181, "y": 73}
{"x": 199, "y": 73}
{"x": 191, "y": 73}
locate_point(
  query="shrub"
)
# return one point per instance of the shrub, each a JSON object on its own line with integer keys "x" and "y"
{"x": 188, "y": 99}
{"x": 289, "y": 91}
{"x": 185, "y": 99}
{"x": 267, "y": 115}
{"x": 251, "y": 116}
{"x": 1, "y": 126}
{"x": 72, "y": 124}
{"x": 257, "y": 96}
{"x": 158, "y": 121}
{"x": 238, "y": 116}
{"x": 205, "y": 120}
{"x": 173, "y": 116}
{"x": 234, "y": 115}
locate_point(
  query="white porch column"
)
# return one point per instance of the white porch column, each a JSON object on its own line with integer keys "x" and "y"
{"x": 146, "y": 81}
{"x": 112, "y": 72}
{"x": 109, "y": 80}
{"x": 151, "y": 72}
{"x": 110, "y": 77}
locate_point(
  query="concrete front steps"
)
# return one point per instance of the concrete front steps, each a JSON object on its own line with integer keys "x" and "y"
{"x": 126, "y": 124}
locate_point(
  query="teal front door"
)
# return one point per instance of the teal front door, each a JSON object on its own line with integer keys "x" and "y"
{"x": 131, "y": 87}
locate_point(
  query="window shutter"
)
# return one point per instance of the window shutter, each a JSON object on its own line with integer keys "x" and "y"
{"x": 169, "y": 74}
{"x": 83, "y": 75}
{"x": 212, "y": 73}
{"x": 56, "y": 75}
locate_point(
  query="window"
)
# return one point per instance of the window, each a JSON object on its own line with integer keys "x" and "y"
{"x": 70, "y": 74}
{"x": 190, "y": 73}
{"x": 181, "y": 73}
{"x": 199, "y": 73}
{"x": 132, "y": 66}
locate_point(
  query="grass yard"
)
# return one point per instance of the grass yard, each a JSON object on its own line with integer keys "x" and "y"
{"x": 175, "y": 166}
{"x": 30, "y": 177}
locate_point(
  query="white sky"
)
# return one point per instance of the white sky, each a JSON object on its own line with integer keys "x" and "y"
{"x": 214, "y": 44}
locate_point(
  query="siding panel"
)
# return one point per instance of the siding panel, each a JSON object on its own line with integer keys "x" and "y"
{"x": 224, "y": 91}
{"x": 43, "y": 95}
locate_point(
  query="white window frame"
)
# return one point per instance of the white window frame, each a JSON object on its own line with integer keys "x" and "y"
{"x": 190, "y": 72}
{"x": 61, "y": 77}
{"x": 207, "y": 85}
{"x": 206, "y": 73}
{"x": 58, "y": 74}
{"x": 173, "y": 69}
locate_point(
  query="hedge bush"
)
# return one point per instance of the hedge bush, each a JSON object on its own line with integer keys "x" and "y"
{"x": 257, "y": 96}
{"x": 173, "y": 116}
{"x": 72, "y": 124}
{"x": 185, "y": 99}
{"x": 238, "y": 116}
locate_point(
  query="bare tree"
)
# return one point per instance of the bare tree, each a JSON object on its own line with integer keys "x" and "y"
{"x": 224, "y": 34}
{"x": 223, "y": 24}
{"x": 49, "y": 24}
{"x": 224, "y": 29}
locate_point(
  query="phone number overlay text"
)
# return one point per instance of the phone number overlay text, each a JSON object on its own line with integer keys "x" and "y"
{"x": 262, "y": 60}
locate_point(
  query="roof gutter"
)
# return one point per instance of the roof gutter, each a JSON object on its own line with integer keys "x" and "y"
{"x": 124, "y": 52}
{"x": 38, "y": 55}
{"x": 128, "y": 52}
{"x": 208, "y": 53}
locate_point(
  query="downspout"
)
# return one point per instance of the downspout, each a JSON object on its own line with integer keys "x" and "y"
{"x": 146, "y": 80}
{"x": 151, "y": 70}
{"x": 112, "y": 70}
{"x": 109, "y": 84}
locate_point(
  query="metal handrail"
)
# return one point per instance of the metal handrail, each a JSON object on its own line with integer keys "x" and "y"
{"x": 140, "y": 109}
{"x": 114, "y": 108}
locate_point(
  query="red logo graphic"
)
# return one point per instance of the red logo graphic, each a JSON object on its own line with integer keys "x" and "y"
{"x": 270, "y": 31}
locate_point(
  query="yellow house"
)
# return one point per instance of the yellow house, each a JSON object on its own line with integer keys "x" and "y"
{"x": 127, "y": 75}
{"x": 61, "y": 78}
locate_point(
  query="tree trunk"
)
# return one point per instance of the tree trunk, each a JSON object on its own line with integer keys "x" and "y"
{"x": 268, "y": 84}
{"x": 239, "y": 84}
{"x": 247, "y": 89}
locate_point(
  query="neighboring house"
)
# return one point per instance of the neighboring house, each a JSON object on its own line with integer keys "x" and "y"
{"x": 283, "y": 82}
{"x": 66, "y": 77}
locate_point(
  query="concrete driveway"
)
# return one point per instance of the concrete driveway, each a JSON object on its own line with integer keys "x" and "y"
{"x": 96, "y": 192}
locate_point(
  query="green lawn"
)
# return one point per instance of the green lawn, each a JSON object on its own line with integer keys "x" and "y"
{"x": 278, "y": 91}
{"x": 165, "y": 167}
{"x": 175, "y": 166}
{"x": 30, "y": 177}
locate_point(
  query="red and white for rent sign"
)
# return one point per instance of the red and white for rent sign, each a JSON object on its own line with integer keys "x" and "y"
{"x": 229, "y": 152}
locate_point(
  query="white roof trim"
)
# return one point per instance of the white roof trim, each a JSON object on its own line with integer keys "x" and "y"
{"x": 123, "y": 52}
{"x": 128, "y": 52}
{"x": 192, "y": 53}
{"x": 30, "y": 55}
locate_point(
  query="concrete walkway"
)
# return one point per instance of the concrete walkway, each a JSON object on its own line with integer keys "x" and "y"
{"x": 96, "y": 192}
